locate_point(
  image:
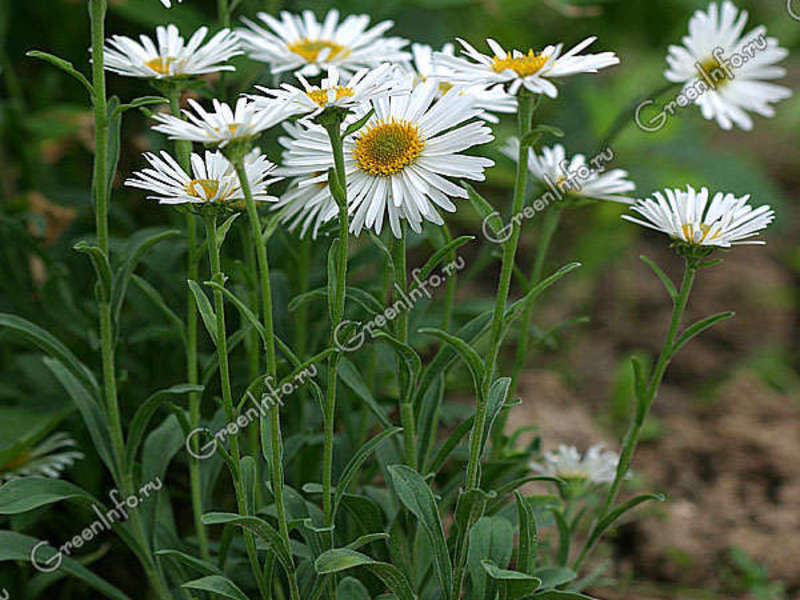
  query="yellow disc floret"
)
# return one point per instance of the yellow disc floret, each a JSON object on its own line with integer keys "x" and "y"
{"x": 387, "y": 147}
{"x": 714, "y": 73}
{"x": 523, "y": 64}
{"x": 205, "y": 189}
{"x": 310, "y": 49}
{"x": 688, "y": 232}
{"x": 321, "y": 96}
{"x": 161, "y": 64}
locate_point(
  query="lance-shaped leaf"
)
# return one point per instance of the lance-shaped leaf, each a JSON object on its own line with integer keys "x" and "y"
{"x": 696, "y": 329}
{"x": 498, "y": 394}
{"x": 441, "y": 254}
{"x": 342, "y": 559}
{"x": 468, "y": 354}
{"x": 217, "y": 585}
{"x": 528, "y": 536}
{"x": 258, "y": 527}
{"x": 673, "y": 293}
{"x": 190, "y": 561}
{"x": 102, "y": 268}
{"x": 615, "y": 514}
{"x": 204, "y": 308}
{"x": 517, "y": 585}
{"x": 65, "y": 66}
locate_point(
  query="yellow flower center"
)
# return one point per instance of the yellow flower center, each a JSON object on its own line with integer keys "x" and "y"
{"x": 688, "y": 232}
{"x": 527, "y": 64}
{"x": 713, "y": 73}
{"x": 445, "y": 87}
{"x": 160, "y": 64}
{"x": 321, "y": 96}
{"x": 202, "y": 188}
{"x": 310, "y": 49}
{"x": 387, "y": 148}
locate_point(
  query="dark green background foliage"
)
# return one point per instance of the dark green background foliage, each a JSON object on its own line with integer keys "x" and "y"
{"x": 45, "y": 172}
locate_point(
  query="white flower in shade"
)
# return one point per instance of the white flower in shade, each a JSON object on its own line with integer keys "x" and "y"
{"x": 357, "y": 91}
{"x": 170, "y": 56}
{"x": 532, "y": 70}
{"x": 223, "y": 125}
{"x": 213, "y": 179}
{"x": 688, "y": 216}
{"x": 425, "y": 66}
{"x": 301, "y": 43}
{"x": 574, "y": 175}
{"x": 397, "y": 165}
{"x": 727, "y": 73}
{"x": 168, "y": 3}
{"x": 596, "y": 466}
{"x": 48, "y": 459}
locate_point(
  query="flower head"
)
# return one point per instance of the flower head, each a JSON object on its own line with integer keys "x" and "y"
{"x": 533, "y": 70}
{"x": 48, "y": 459}
{"x": 355, "y": 92}
{"x": 689, "y": 217}
{"x": 574, "y": 175}
{"x": 425, "y": 66}
{"x": 168, "y": 3}
{"x": 213, "y": 179}
{"x": 596, "y": 466}
{"x": 397, "y": 165}
{"x": 170, "y": 56}
{"x": 223, "y": 125}
{"x": 727, "y": 73}
{"x": 301, "y": 43}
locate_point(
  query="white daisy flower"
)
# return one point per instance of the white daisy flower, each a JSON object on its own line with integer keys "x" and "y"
{"x": 222, "y": 126}
{"x": 574, "y": 175}
{"x": 170, "y": 56}
{"x": 532, "y": 70}
{"x": 301, "y": 43}
{"x": 357, "y": 91}
{"x": 397, "y": 165}
{"x": 596, "y": 466}
{"x": 48, "y": 459}
{"x": 726, "y": 73}
{"x": 213, "y": 179}
{"x": 168, "y": 4}
{"x": 424, "y": 67}
{"x": 688, "y": 216}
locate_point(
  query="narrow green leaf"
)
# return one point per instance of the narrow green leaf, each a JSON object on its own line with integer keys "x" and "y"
{"x": 139, "y": 103}
{"x": 351, "y": 588}
{"x": 608, "y": 520}
{"x": 528, "y": 536}
{"x": 222, "y": 230}
{"x": 65, "y": 66}
{"x": 517, "y": 585}
{"x": 258, "y": 527}
{"x": 156, "y": 298}
{"x": 354, "y": 127}
{"x": 697, "y": 328}
{"x": 486, "y": 211}
{"x": 352, "y": 379}
{"x": 217, "y": 585}
{"x": 367, "y": 539}
{"x": 101, "y": 267}
{"x": 27, "y": 493}
{"x": 441, "y": 254}
{"x": 452, "y": 442}
{"x": 559, "y": 595}
{"x": 498, "y": 394}
{"x": 673, "y": 293}
{"x": 190, "y": 561}
{"x": 342, "y": 559}
{"x": 467, "y": 353}
{"x": 563, "y": 536}
{"x": 515, "y": 310}
{"x": 205, "y": 309}
{"x": 553, "y": 577}
{"x": 491, "y": 538}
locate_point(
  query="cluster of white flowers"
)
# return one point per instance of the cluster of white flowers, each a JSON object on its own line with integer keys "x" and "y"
{"x": 424, "y": 110}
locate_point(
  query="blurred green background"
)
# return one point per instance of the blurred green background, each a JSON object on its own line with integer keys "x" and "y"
{"x": 725, "y": 437}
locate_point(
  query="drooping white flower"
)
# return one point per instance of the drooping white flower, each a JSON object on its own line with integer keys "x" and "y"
{"x": 425, "y": 66}
{"x": 726, "y": 73}
{"x": 596, "y": 466}
{"x": 301, "y": 43}
{"x": 688, "y": 215}
{"x": 223, "y": 125}
{"x": 398, "y": 164}
{"x": 170, "y": 56}
{"x": 168, "y": 3}
{"x": 574, "y": 175}
{"x": 517, "y": 69}
{"x": 47, "y": 459}
{"x": 356, "y": 92}
{"x": 213, "y": 179}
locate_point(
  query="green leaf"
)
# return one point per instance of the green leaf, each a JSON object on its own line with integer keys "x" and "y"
{"x": 217, "y": 585}
{"x": 358, "y": 459}
{"x": 418, "y": 498}
{"x": 441, "y": 254}
{"x": 358, "y": 124}
{"x": 205, "y": 309}
{"x": 65, "y": 66}
{"x": 18, "y": 547}
{"x": 515, "y": 310}
{"x": 147, "y": 409}
{"x": 452, "y": 442}
{"x": 673, "y": 293}
{"x": 342, "y": 559}
{"x": 27, "y": 493}
{"x": 21, "y": 429}
{"x": 333, "y": 280}
{"x": 486, "y": 211}
{"x": 498, "y": 394}
{"x": 555, "y": 576}
{"x": 367, "y": 539}
{"x": 696, "y": 329}
{"x": 491, "y": 538}
{"x": 467, "y": 353}
{"x": 359, "y": 296}
{"x": 559, "y": 595}
{"x": 102, "y": 268}
{"x": 615, "y": 514}
{"x": 113, "y": 146}
{"x": 352, "y": 379}
{"x": 222, "y": 230}
{"x": 258, "y": 527}
{"x": 138, "y": 103}
{"x": 156, "y": 298}
{"x": 351, "y": 588}
{"x": 406, "y": 353}
{"x": 528, "y": 536}
{"x": 518, "y": 585}
{"x": 52, "y": 346}
{"x": 563, "y": 536}
{"x": 532, "y": 137}
{"x": 190, "y": 561}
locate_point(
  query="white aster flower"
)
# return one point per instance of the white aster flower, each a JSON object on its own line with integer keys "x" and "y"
{"x": 532, "y": 70}
{"x": 726, "y": 73}
{"x": 596, "y": 466}
{"x": 168, "y": 4}
{"x": 223, "y": 125}
{"x": 48, "y": 459}
{"x": 574, "y": 175}
{"x": 397, "y": 165}
{"x": 213, "y": 179}
{"x": 688, "y": 216}
{"x": 300, "y": 43}
{"x": 425, "y": 66}
{"x": 170, "y": 56}
{"x": 356, "y": 92}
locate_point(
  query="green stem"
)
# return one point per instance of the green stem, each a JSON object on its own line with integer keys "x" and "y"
{"x": 524, "y": 116}
{"x": 276, "y": 442}
{"x": 224, "y": 13}
{"x": 225, "y": 383}
{"x": 183, "y": 150}
{"x": 643, "y": 405}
